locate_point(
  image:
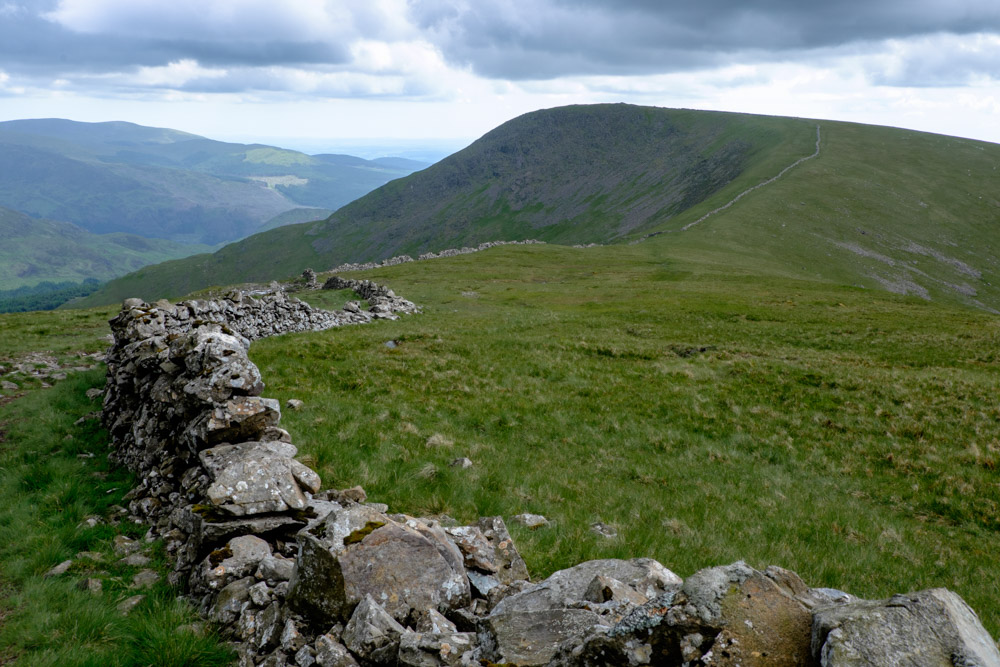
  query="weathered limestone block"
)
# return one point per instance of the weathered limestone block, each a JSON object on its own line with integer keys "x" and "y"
{"x": 258, "y": 477}
{"x": 928, "y": 628}
{"x": 372, "y": 634}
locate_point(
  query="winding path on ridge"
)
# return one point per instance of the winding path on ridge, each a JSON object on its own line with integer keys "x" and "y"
{"x": 740, "y": 195}
{"x": 756, "y": 187}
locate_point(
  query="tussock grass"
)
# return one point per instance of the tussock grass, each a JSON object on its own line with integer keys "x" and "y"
{"x": 848, "y": 435}
{"x": 54, "y": 474}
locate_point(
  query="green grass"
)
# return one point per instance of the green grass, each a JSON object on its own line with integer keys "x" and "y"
{"x": 62, "y": 333}
{"x": 709, "y": 415}
{"x": 54, "y": 475}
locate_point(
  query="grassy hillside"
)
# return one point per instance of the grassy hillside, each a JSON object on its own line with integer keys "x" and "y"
{"x": 33, "y": 251}
{"x": 294, "y": 217}
{"x": 568, "y": 175}
{"x": 880, "y": 208}
{"x": 707, "y": 410}
{"x": 54, "y": 476}
{"x": 155, "y": 182}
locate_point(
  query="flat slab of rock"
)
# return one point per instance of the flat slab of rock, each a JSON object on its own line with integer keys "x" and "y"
{"x": 258, "y": 477}
{"x": 932, "y": 627}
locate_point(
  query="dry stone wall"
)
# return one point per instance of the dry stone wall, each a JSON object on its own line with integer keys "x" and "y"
{"x": 298, "y": 576}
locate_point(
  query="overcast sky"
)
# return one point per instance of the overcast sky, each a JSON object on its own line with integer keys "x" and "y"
{"x": 331, "y": 70}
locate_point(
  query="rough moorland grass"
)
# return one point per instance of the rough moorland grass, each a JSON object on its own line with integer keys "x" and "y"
{"x": 709, "y": 416}
{"x": 53, "y": 475}
{"x": 61, "y": 333}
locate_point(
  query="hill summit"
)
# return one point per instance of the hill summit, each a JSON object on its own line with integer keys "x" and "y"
{"x": 859, "y": 205}
{"x": 578, "y": 174}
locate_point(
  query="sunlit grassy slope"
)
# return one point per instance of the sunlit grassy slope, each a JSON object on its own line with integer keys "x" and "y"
{"x": 884, "y": 208}
{"x": 709, "y": 414}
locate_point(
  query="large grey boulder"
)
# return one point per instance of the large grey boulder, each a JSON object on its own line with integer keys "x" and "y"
{"x": 257, "y": 478}
{"x": 926, "y": 629}
{"x": 359, "y": 551}
{"x": 409, "y": 568}
{"x": 532, "y": 637}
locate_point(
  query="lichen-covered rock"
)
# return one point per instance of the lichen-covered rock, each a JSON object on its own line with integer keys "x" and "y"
{"x": 532, "y": 636}
{"x": 331, "y": 653}
{"x": 230, "y": 601}
{"x": 238, "y": 419}
{"x": 528, "y": 628}
{"x": 566, "y": 587}
{"x": 510, "y": 565}
{"x": 258, "y": 478}
{"x": 359, "y": 551}
{"x": 421, "y": 649}
{"x": 372, "y": 634}
{"x": 924, "y": 629}
{"x": 407, "y": 569}
{"x": 732, "y": 614}
{"x": 239, "y": 558}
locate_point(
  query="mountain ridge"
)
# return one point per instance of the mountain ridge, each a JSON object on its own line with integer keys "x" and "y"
{"x": 878, "y": 208}
{"x": 162, "y": 183}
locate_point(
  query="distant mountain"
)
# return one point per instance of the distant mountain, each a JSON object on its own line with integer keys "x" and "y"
{"x": 34, "y": 251}
{"x": 161, "y": 183}
{"x": 571, "y": 175}
{"x": 876, "y": 207}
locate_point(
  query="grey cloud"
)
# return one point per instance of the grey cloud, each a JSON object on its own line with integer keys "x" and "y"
{"x": 32, "y": 46}
{"x": 538, "y": 39}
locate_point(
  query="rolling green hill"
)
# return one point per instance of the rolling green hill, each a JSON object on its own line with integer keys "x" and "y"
{"x": 889, "y": 209}
{"x": 160, "y": 183}
{"x": 805, "y": 378}
{"x": 33, "y": 251}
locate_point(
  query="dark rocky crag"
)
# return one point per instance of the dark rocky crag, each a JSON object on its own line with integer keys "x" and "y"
{"x": 295, "y": 576}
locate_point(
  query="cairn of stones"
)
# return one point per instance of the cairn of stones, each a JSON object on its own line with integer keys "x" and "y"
{"x": 296, "y": 575}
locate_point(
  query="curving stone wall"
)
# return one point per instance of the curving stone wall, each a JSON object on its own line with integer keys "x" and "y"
{"x": 295, "y": 576}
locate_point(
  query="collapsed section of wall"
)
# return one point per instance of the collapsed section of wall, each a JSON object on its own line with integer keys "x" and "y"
{"x": 295, "y": 576}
